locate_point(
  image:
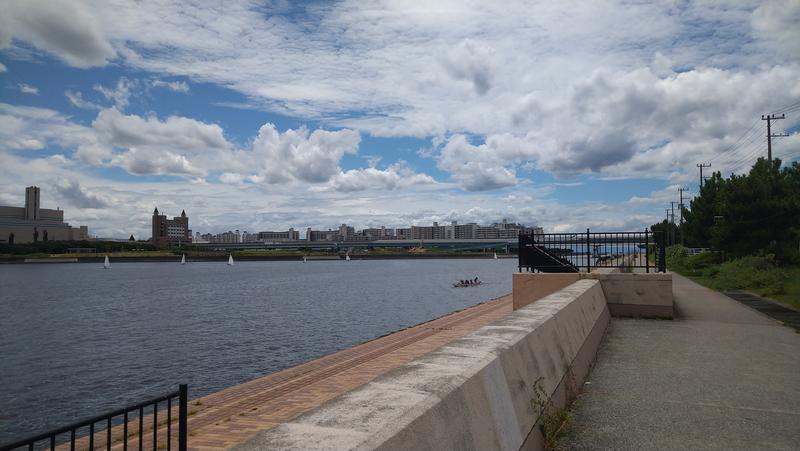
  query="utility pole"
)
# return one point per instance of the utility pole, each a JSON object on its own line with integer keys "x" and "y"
{"x": 672, "y": 229}
{"x": 681, "y": 190}
{"x": 701, "y": 166}
{"x": 667, "y": 228}
{"x": 769, "y": 118}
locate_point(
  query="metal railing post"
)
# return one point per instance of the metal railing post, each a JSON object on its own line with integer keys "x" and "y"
{"x": 662, "y": 256}
{"x": 183, "y": 413}
{"x": 588, "y": 253}
{"x": 647, "y": 249}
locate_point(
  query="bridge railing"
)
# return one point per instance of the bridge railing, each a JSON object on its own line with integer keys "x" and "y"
{"x": 567, "y": 252}
{"x": 117, "y": 428}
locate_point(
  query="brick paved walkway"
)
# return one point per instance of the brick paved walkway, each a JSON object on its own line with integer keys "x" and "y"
{"x": 233, "y": 415}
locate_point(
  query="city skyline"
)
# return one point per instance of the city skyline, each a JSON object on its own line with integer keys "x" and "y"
{"x": 567, "y": 116}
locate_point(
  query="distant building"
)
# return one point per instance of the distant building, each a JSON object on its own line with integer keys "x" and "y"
{"x": 402, "y": 233}
{"x": 33, "y": 223}
{"x": 170, "y": 231}
{"x": 378, "y": 234}
{"x": 277, "y": 237}
{"x": 435, "y": 232}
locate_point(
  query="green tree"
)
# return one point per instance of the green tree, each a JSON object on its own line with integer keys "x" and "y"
{"x": 753, "y": 214}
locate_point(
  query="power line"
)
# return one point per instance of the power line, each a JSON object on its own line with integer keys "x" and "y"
{"x": 744, "y": 155}
{"x": 788, "y": 108}
{"x": 747, "y": 137}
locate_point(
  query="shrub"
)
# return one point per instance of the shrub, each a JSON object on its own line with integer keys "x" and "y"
{"x": 759, "y": 273}
{"x": 677, "y": 257}
{"x": 702, "y": 261}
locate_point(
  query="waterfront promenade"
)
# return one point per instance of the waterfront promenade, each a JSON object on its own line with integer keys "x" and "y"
{"x": 231, "y": 416}
{"x": 719, "y": 376}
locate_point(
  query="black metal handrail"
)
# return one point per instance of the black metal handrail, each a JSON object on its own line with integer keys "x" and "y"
{"x": 569, "y": 252}
{"x": 108, "y": 417}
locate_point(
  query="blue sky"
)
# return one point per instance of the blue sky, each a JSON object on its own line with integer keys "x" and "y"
{"x": 268, "y": 115}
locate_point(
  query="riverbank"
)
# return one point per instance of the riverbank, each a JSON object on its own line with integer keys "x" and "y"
{"x": 223, "y": 257}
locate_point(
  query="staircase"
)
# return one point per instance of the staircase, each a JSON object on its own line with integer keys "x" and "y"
{"x": 538, "y": 258}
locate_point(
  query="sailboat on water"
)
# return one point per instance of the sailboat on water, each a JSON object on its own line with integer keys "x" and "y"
{"x": 347, "y": 257}
{"x": 230, "y": 259}
{"x": 106, "y": 263}
{"x": 183, "y": 259}
{"x": 495, "y": 255}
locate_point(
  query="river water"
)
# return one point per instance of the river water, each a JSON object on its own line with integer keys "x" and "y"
{"x": 77, "y": 340}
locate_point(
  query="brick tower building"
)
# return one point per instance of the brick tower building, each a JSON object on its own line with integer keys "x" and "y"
{"x": 171, "y": 231}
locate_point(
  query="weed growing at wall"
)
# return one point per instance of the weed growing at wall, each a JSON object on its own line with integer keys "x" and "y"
{"x": 553, "y": 421}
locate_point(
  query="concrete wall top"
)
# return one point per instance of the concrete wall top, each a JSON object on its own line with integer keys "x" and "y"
{"x": 474, "y": 393}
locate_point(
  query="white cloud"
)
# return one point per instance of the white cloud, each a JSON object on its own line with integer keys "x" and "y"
{"x": 3, "y": 68}
{"x": 177, "y": 86}
{"x": 120, "y": 130}
{"x": 776, "y": 22}
{"x": 28, "y": 89}
{"x": 299, "y": 154}
{"x": 396, "y": 176}
{"x": 76, "y": 195}
{"x": 483, "y": 167}
{"x": 76, "y": 99}
{"x": 153, "y": 161}
{"x": 119, "y": 94}
{"x": 32, "y": 128}
{"x": 72, "y": 32}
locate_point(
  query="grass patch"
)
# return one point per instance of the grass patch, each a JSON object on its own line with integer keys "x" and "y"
{"x": 760, "y": 275}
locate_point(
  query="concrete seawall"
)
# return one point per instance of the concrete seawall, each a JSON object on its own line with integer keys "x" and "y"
{"x": 475, "y": 393}
{"x": 627, "y": 294}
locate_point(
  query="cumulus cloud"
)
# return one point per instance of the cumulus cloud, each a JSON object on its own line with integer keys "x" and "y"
{"x": 28, "y": 89}
{"x": 481, "y": 167}
{"x": 396, "y": 176}
{"x": 79, "y": 196}
{"x": 154, "y": 161}
{"x": 71, "y": 32}
{"x": 301, "y": 155}
{"x": 471, "y": 61}
{"x": 3, "y": 68}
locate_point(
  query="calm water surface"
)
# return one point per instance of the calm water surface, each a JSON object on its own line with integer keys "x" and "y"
{"x": 76, "y": 340}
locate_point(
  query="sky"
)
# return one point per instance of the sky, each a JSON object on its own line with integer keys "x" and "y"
{"x": 268, "y": 115}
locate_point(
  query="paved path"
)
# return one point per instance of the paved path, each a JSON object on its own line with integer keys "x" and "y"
{"x": 223, "y": 419}
{"x": 720, "y": 376}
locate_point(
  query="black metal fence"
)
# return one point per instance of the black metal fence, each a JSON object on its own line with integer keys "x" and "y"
{"x": 112, "y": 428}
{"x": 573, "y": 252}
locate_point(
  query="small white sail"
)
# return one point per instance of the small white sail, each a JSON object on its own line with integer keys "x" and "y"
{"x": 304, "y": 259}
{"x": 183, "y": 259}
{"x": 230, "y": 260}
{"x": 106, "y": 263}
{"x": 495, "y": 255}
{"x": 347, "y": 257}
